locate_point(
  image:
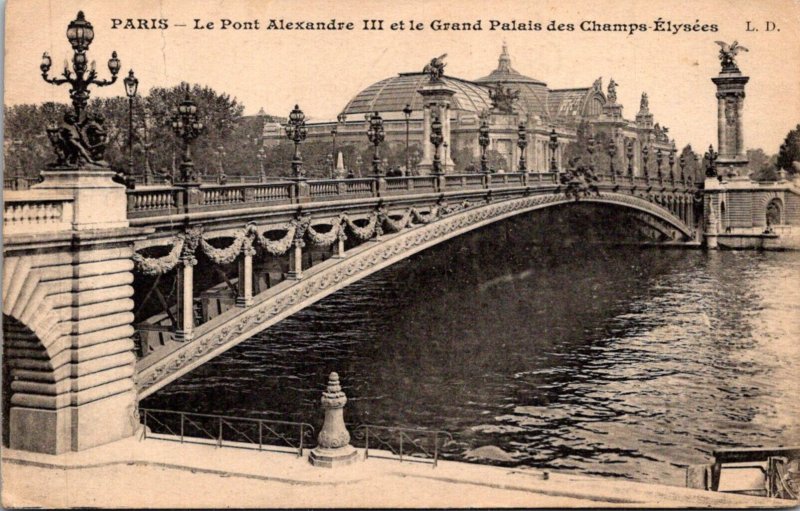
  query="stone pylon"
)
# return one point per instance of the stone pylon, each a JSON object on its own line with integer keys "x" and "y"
{"x": 730, "y": 84}
{"x": 334, "y": 447}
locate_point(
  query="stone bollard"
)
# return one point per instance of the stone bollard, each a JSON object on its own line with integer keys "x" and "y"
{"x": 334, "y": 447}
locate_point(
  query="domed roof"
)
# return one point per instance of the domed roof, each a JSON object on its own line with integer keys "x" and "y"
{"x": 507, "y": 74}
{"x": 393, "y": 94}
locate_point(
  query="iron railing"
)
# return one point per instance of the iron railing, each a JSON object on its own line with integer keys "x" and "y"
{"x": 148, "y": 201}
{"x": 404, "y": 444}
{"x": 227, "y": 431}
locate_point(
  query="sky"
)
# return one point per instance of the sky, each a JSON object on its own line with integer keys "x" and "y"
{"x": 322, "y": 70}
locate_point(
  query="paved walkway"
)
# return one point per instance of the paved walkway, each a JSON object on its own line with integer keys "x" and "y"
{"x": 151, "y": 472}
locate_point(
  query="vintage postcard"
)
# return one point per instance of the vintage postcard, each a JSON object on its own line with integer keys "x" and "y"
{"x": 342, "y": 254}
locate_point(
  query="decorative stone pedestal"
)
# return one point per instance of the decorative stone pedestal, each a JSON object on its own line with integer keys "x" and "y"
{"x": 334, "y": 447}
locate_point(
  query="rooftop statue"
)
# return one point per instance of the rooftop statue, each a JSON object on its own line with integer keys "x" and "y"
{"x": 612, "y": 91}
{"x": 598, "y": 84}
{"x": 503, "y": 98}
{"x": 435, "y": 68}
{"x": 644, "y": 104}
{"x": 727, "y": 54}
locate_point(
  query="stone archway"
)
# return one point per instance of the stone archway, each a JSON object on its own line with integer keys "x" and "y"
{"x": 774, "y": 212}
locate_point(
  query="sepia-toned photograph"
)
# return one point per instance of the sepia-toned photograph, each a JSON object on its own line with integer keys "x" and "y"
{"x": 410, "y": 254}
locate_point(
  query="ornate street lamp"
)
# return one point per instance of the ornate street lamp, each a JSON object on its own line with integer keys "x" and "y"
{"x": 522, "y": 143}
{"x": 147, "y": 145}
{"x": 329, "y": 163}
{"x": 659, "y": 160}
{"x": 376, "y": 136}
{"x": 483, "y": 141}
{"x": 262, "y": 156}
{"x": 672, "y": 163}
{"x": 645, "y": 157}
{"x": 553, "y": 144}
{"x": 296, "y": 131}
{"x": 80, "y": 34}
{"x": 221, "y": 178}
{"x": 611, "y": 150}
{"x": 629, "y": 155}
{"x": 340, "y": 119}
{"x": 407, "y": 114}
{"x": 711, "y": 167}
{"x": 131, "y": 84}
{"x": 187, "y": 127}
{"x": 682, "y": 164}
{"x": 436, "y": 139}
{"x": 590, "y": 150}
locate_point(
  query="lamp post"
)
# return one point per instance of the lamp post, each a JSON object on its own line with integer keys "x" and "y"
{"x": 131, "y": 84}
{"x": 147, "y": 145}
{"x": 629, "y": 155}
{"x": 359, "y": 164}
{"x": 522, "y": 143}
{"x": 296, "y": 131}
{"x": 611, "y": 150}
{"x": 645, "y": 157}
{"x": 187, "y": 128}
{"x": 659, "y": 160}
{"x": 221, "y": 178}
{"x": 407, "y": 114}
{"x": 682, "y": 164}
{"x": 80, "y": 34}
{"x": 376, "y": 136}
{"x": 672, "y": 163}
{"x": 340, "y": 119}
{"x": 483, "y": 141}
{"x": 590, "y": 150}
{"x": 262, "y": 156}
{"x": 553, "y": 144}
{"x": 436, "y": 139}
{"x": 331, "y": 165}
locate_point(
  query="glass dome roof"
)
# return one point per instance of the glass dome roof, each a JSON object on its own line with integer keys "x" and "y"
{"x": 393, "y": 94}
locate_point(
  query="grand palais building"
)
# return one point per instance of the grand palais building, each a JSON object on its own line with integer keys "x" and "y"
{"x": 542, "y": 110}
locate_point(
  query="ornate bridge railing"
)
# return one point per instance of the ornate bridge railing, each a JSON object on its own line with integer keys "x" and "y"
{"x": 168, "y": 200}
{"x": 402, "y": 444}
{"x": 227, "y": 431}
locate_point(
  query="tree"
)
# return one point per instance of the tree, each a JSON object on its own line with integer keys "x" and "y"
{"x": 790, "y": 151}
{"x": 761, "y": 166}
{"x": 28, "y": 150}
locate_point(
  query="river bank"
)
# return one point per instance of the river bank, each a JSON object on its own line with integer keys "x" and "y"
{"x": 156, "y": 473}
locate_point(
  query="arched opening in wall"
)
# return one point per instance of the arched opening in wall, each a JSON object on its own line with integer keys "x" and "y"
{"x": 16, "y": 337}
{"x": 774, "y": 212}
{"x": 723, "y": 224}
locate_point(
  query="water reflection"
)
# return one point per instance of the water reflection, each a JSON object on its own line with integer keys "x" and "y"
{"x": 603, "y": 359}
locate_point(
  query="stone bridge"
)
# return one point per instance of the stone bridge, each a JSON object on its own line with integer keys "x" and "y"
{"x": 84, "y": 259}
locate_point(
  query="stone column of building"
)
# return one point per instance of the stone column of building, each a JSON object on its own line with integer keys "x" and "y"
{"x": 436, "y": 96}
{"x": 67, "y": 314}
{"x": 730, "y": 82}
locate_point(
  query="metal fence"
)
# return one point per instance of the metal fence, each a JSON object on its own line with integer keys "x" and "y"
{"x": 227, "y": 431}
{"x": 402, "y": 444}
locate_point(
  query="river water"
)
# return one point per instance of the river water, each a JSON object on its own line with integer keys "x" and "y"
{"x": 568, "y": 354}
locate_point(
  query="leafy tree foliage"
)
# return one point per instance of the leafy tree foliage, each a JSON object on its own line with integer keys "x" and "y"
{"x": 790, "y": 152}
{"x": 28, "y": 150}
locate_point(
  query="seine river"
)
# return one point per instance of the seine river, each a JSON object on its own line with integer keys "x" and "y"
{"x": 568, "y": 354}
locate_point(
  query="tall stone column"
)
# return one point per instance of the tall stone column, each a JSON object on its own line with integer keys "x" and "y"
{"x": 427, "y": 148}
{"x": 436, "y": 97}
{"x": 185, "y": 300}
{"x": 244, "y": 296}
{"x": 730, "y": 82}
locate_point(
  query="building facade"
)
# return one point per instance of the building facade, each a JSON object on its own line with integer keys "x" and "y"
{"x": 506, "y": 98}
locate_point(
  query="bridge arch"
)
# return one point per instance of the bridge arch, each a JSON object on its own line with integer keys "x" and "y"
{"x": 236, "y": 325}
